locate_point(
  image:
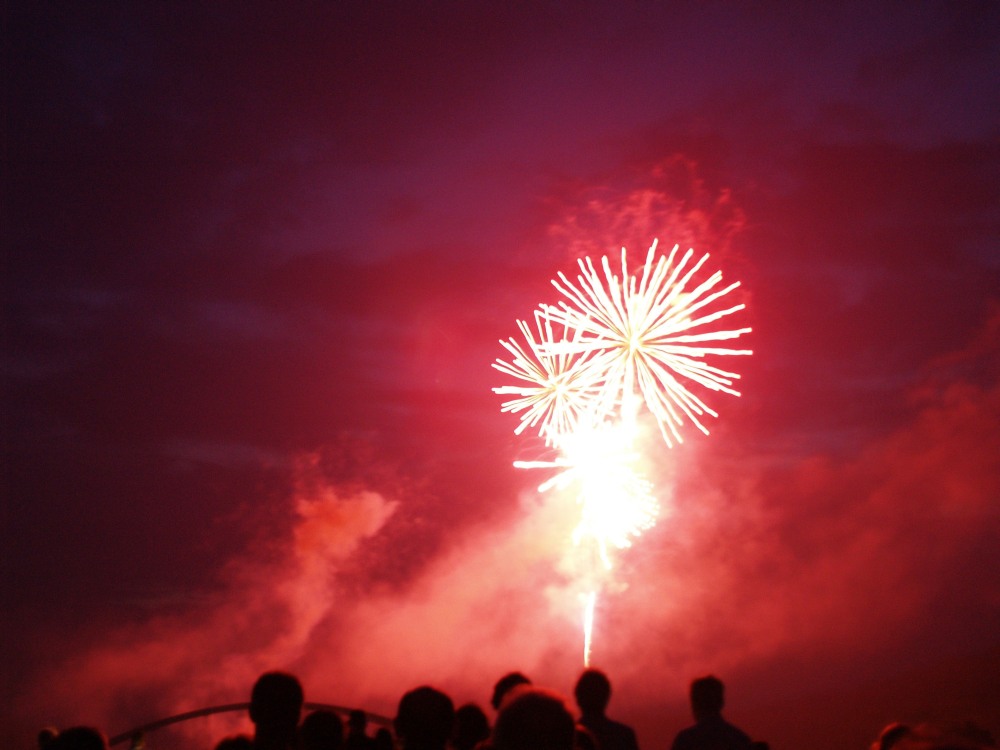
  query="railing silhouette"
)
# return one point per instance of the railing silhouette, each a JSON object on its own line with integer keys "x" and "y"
{"x": 141, "y": 731}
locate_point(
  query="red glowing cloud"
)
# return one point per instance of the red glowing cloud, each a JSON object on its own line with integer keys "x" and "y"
{"x": 734, "y": 579}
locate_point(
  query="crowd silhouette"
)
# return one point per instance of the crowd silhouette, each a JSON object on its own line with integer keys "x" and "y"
{"x": 527, "y": 717}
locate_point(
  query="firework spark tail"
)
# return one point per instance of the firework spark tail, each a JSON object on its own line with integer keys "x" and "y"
{"x": 588, "y": 626}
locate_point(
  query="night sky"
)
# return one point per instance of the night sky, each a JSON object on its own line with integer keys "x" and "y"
{"x": 257, "y": 261}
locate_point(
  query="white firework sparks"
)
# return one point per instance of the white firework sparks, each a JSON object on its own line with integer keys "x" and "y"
{"x": 557, "y": 391}
{"x": 648, "y": 334}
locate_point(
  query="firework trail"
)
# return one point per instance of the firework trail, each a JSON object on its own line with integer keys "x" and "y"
{"x": 591, "y": 361}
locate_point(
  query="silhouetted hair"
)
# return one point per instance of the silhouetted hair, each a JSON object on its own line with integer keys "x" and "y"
{"x": 235, "y": 742}
{"x": 276, "y": 701}
{"x": 79, "y": 738}
{"x": 504, "y": 685}
{"x": 424, "y": 718}
{"x": 471, "y": 727}
{"x": 593, "y": 691}
{"x": 707, "y": 696}
{"x": 321, "y": 730}
{"x": 892, "y": 734}
{"x": 535, "y": 719}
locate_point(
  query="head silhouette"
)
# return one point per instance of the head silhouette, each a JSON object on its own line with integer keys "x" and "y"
{"x": 534, "y": 719}
{"x": 592, "y": 692}
{"x": 504, "y": 685}
{"x": 424, "y": 719}
{"x": 276, "y": 704}
{"x": 471, "y": 727}
{"x": 321, "y": 730}
{"x": 707, "y": 697}
{"x": 79, "y": 738}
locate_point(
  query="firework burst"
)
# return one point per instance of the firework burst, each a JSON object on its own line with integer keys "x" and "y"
{"x": 648, "y": 335}
{"x": 557, "y": 391}
{"x": 611, "y": 345}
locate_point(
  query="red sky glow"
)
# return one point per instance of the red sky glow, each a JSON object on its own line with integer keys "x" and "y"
{"x": 256, "y": 268}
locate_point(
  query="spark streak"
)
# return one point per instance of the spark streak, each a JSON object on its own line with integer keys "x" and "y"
{"x": 588, "y": 626}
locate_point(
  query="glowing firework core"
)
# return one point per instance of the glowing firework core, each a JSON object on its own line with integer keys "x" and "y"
{"x": 609, "y": 346}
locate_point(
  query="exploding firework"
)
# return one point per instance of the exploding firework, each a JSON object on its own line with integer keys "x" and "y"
{"x": 648, "y": 334}
{"x": 557, "y": 391}
{"x": 609, "y": 346}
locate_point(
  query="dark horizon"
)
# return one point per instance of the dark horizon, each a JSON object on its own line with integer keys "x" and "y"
{"x": 257, "y": 265}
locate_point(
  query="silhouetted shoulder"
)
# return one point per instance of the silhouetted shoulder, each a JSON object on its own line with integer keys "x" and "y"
{"x": 712, "y": 734}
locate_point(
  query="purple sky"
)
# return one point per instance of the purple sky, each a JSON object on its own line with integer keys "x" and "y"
{"x": 257, "y": 259}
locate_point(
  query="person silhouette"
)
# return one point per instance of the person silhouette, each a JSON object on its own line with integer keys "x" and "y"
{"x": 424, "y": 719}
{"x": 504, "y": 685}
{"x": 710, "y": 731}
{"x": 592, "y": 693}
{"x": 79, "y": 738}
{"x": 275, "y": 709}
{"x": 322, "y": 729}
{"x": 534, "y": 719}
{"x": 471, "y": 727}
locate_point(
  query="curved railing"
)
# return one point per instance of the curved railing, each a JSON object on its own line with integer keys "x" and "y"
{"x": 152, "y": 726}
